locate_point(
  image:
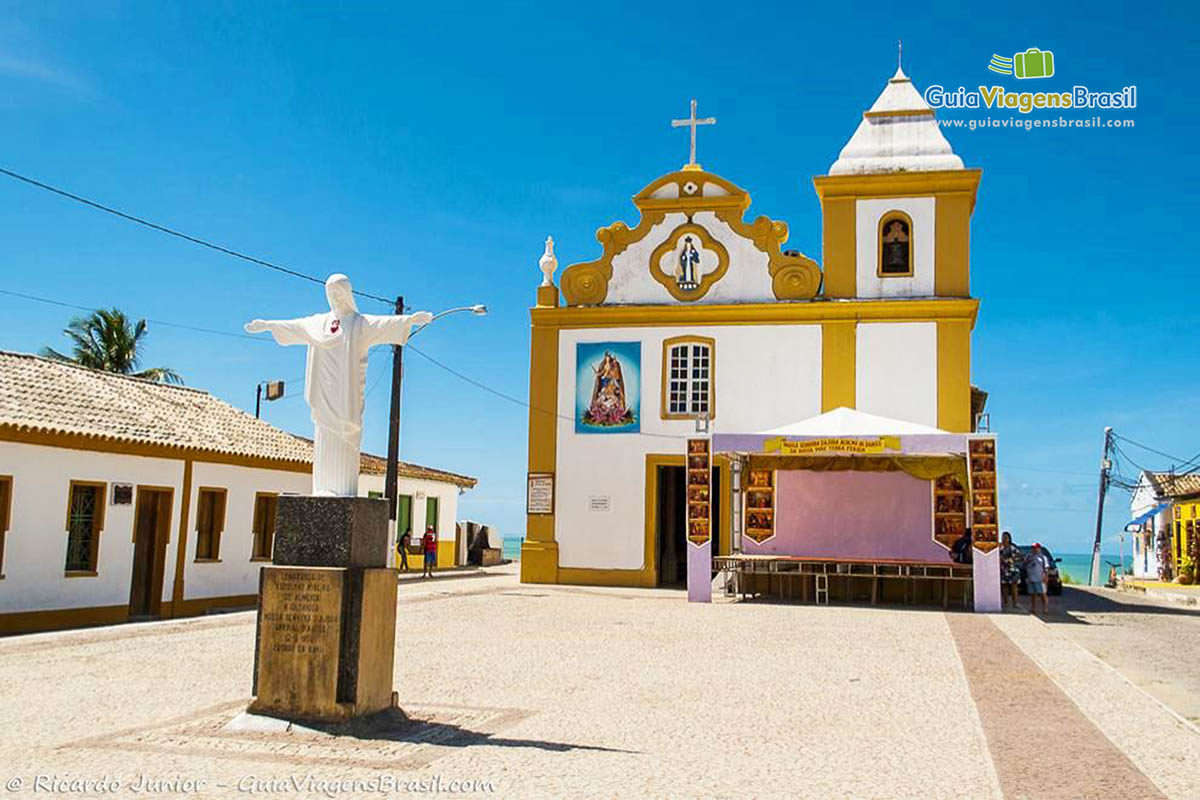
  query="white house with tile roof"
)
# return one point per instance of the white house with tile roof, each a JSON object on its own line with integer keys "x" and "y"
{"x": 123, "y": 498}
{"x": 1165, "y": 522}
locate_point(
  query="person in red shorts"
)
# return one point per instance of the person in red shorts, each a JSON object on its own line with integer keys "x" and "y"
{"x": 429, "y": 548}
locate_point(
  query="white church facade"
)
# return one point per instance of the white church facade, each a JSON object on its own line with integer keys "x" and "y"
{"x": 698, "y": 311}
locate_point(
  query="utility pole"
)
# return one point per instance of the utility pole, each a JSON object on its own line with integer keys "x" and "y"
{"x": 1105, "y": 466}
{"x": 393, "y": 453}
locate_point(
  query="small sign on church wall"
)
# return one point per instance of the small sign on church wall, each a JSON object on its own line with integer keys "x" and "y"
{"x": 600, "y": 503}
{"x": 539, "y": 493}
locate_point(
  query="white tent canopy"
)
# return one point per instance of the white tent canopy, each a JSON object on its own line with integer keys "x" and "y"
{"x": 844, "y": 421}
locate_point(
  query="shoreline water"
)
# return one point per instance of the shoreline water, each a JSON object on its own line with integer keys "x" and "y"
{"x": 1077, "y": 567}
{"x": 1074, "y": 567}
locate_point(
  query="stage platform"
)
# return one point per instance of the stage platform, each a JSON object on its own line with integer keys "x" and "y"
{"x": 910, "y": 581}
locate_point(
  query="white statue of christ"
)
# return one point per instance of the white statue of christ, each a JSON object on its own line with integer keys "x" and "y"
{"x": 338, "y": 342}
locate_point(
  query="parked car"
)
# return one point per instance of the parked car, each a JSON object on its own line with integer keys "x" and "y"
{"x": 1053, "y": 579}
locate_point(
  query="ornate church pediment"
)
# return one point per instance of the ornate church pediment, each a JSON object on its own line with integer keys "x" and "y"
{"x": 692, "y": 245}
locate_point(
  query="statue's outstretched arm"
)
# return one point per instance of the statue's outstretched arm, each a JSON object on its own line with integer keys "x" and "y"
{"x": 286, "y": 331}
{"x": 394, "y": 328}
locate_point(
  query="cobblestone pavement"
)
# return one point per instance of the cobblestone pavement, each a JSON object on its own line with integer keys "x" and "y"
{"x": 1153, "y": 643}
{"x": 565, "y": 692}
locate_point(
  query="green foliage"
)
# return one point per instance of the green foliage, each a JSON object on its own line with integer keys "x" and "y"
{"x": 1187, "y": 570}
{"x": 109, "y": 340}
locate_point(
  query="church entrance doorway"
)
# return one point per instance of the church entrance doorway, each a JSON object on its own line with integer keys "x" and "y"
{"x": 670, "y": 540}
{"x": 671, "y": 530}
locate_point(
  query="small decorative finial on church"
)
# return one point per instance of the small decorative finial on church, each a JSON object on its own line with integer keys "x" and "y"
{"x": 692, "y": 122}
{"x": 548, "y": 263}
{"x": 899, "y": 77}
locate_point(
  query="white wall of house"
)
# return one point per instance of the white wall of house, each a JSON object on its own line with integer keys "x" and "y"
{"x": 420, "y": 491}
{"x": 234, "y": 573}
{"x": 36, "y": 544}
{"x": 1145, "y": 558}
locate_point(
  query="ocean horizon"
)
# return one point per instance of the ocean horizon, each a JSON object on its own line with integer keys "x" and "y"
{"x": 1074, "y": 567}
{"x": 1077, "y": 567}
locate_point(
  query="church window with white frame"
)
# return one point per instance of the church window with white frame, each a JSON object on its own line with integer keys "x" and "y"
{"x": 688, "y": 378}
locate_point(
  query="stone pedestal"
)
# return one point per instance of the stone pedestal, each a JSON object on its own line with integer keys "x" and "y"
{"x": 325, "y": 640}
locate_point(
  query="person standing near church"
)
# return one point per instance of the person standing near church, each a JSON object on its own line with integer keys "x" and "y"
{"x": 402, "y": 548}
{"x": 429, "y": 548}
{"x": 1036, "y": 566}
{"x": 1010, "y": 570}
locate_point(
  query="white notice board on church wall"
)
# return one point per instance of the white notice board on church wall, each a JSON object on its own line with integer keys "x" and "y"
{"x": 539, "y": 494}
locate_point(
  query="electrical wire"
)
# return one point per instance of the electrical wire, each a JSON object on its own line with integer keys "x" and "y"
{"x": 178, "y": 234}
{"x": 1151, "y": 449}
{"x": 1117, "y": 478}
{"x": 516, "y": 400}
{"x": 195, "y": 328}
{"x": 382, "y": 372}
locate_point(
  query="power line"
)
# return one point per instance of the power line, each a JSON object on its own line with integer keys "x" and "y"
{"x": 172, "y": 232}
{"x": 289, "y": 395}
{"x": 243, "y": 336}
{"x": 1152, "y": 450}
{"x": 1118, "y": 479}
{"x": 517, "y": 400}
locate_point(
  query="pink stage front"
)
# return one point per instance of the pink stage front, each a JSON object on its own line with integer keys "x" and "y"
{"x": 852, "y": 515}
{"x": 859, "y": 506}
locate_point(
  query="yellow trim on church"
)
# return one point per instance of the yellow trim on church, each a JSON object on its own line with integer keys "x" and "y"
{"x": 900, "y": 184}
{"x": 955, "y": 318}
{"x": 882, "y": 310}
{"x": 793, "y": 276}
{"x": 707, "y": 242}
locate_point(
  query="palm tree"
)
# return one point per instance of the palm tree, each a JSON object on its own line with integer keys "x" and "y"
{"x": 108, "y": 340}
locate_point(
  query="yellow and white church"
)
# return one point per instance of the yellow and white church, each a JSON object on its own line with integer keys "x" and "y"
{"x": 698, "y": 315}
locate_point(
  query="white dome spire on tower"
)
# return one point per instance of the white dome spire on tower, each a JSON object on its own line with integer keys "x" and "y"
{"x": 899, "y": 133}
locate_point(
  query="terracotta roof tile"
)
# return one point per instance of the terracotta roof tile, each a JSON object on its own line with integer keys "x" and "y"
{"x": 49, "y": 396}
{"x": 1167, "y": 484}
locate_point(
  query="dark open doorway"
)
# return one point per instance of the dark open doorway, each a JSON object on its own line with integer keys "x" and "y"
{"x": 671, "y": 516}
{"x": 670, "y": 533}
{"x": 151, "y": 529}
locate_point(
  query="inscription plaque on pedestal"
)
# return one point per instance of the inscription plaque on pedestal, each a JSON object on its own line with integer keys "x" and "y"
{"x": 299, "y": 634}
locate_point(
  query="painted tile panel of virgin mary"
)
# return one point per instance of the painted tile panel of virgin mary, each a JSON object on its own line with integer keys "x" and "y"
{"x": 608, "y": 378}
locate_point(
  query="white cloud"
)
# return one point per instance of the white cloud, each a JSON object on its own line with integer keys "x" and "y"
{"x": 30, "y": 69}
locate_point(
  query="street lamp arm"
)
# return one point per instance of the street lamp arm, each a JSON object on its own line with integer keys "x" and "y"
{"x": 478, "y": 310}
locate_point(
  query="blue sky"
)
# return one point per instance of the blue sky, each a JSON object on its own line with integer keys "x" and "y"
{"x": 428, "y": 150}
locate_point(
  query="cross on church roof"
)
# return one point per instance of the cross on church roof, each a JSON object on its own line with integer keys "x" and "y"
{"x": 692, "y": 122}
